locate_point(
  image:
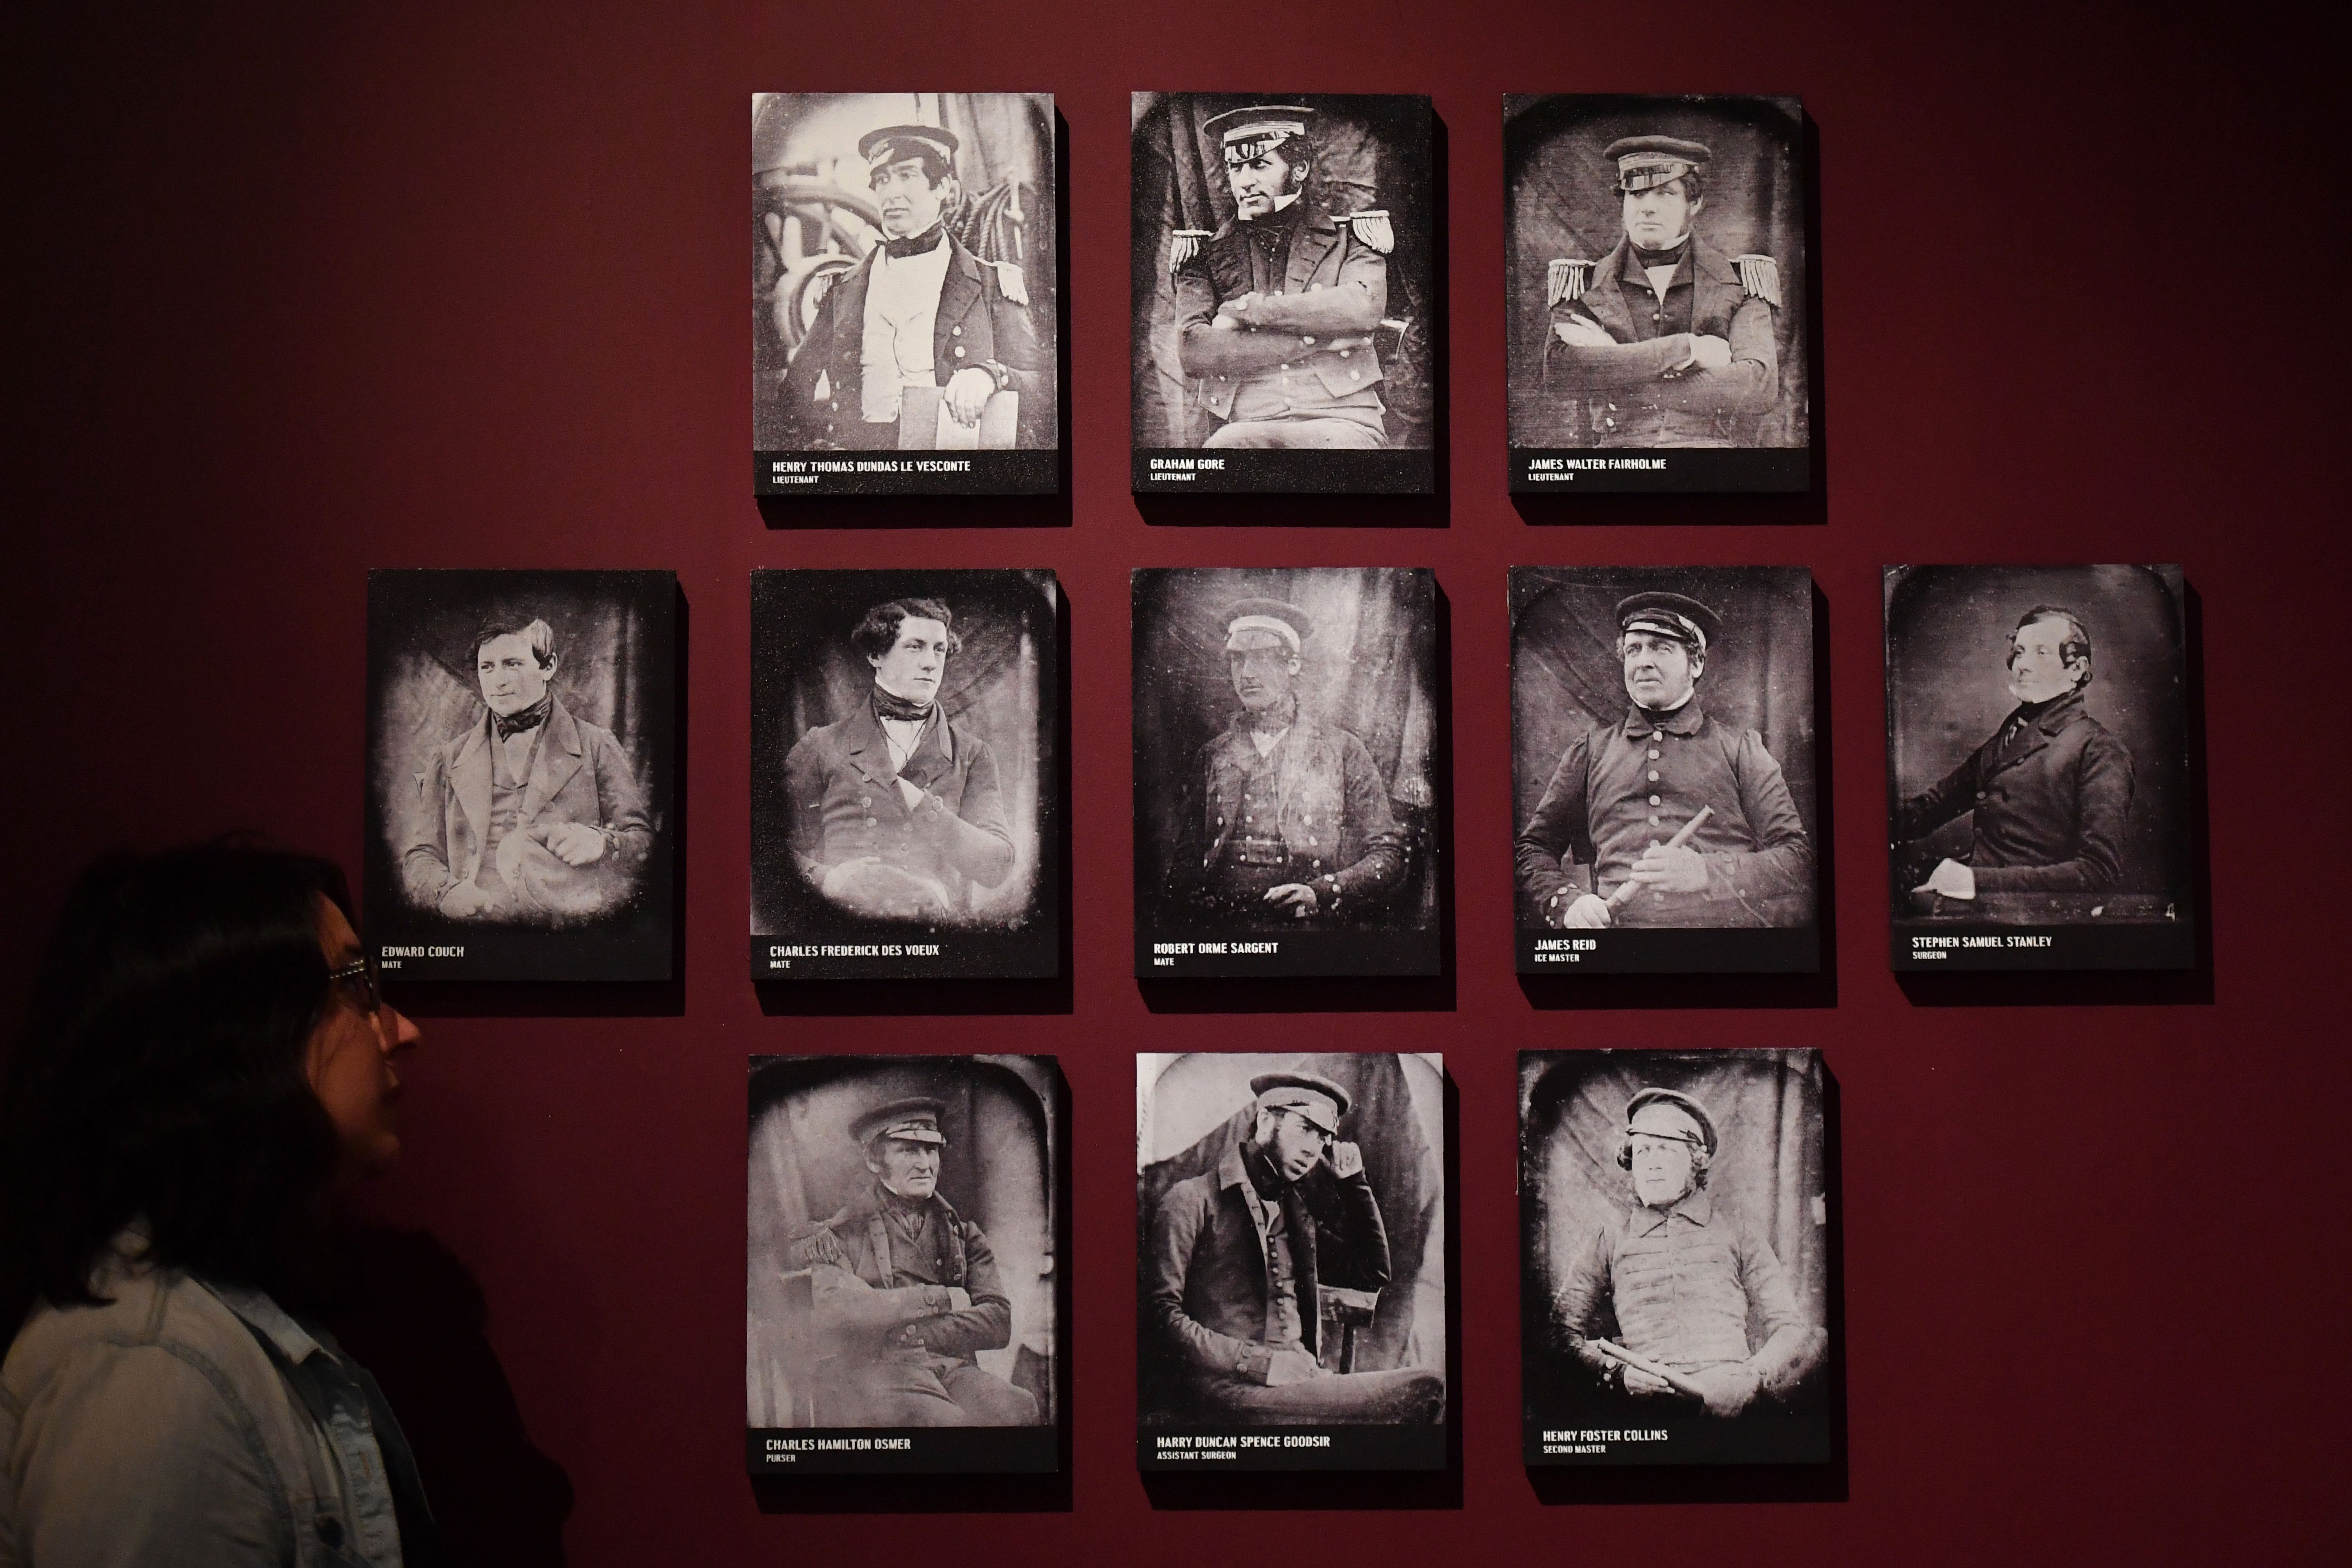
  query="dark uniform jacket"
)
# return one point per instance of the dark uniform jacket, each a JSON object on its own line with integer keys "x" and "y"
{"x": 1625, "y": 395}
{"x": 1323, "y": 283}
{"x": 845, "y": 805}
{"x": 1312, "y": 810}
{"x": 1620, "y": 789}
{"x": 881, "y": 1297}
{"x": 2052, "y": 796}
{"x": 976, "y": 322}
{"x": 1205, "y": 1280}
{"x": 578, "y": 773}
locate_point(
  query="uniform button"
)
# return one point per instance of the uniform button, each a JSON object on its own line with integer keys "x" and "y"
{"x": 865, "y": 800}
{"x": 1654, "y": 800}
{"x": 955, "y": 331}
{"x": 1653, "y": 776}
{"x": 1653, "y": 753}
{"x": 1286, "y": 367}
{"x": 1355, "y": 375}
{"x": 959, "y": 350}
{"x": 1316, "y": 864}
{"x": 1345, "y": 353}
{"x": 1307, "y": 343}
{"x": 1980, "y": 794}
{"x": 1220, "y": 822}
{"x": 1654, "y": 819}
{"x": 869, "y": 821}
{"x": 1611, "y": 423}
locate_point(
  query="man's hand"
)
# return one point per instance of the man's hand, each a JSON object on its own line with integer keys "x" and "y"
{"x": 1589, "y": 912}
{"x": 967, "y": 393}
{"x": 1709, "y": 353}
{"x": 1645, "y": 1384}
{"x": 1951, "y": 878}
{"x": 1347, "y": 1160}
{"x": 1296, "y": 897}
{"x": 1581, "y": 332}
{"x": 1286, "y": 1367}
{"x": 959, "y": 1298}
{"x": 837, "y": 876}
{"x": 1235, "y": 312}
{"x": 1729, "y": 1389}
{"x": 910, "y": 793}
{"x": 1680, "y": 869}
{"x": 464, "y": 900}
{"x": 575, "y": 844}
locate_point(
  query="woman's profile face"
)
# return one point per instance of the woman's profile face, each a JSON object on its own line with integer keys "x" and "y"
{"x": 349, "y": 1060}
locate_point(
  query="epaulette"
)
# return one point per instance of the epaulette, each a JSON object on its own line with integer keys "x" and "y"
{"x": 1565, "y": 279}
{"x": 1372, "y": 228}
{"x": 1759, "y": 276}
{"x": 1184, "y": 244}
{"x": 1009, "y": 280}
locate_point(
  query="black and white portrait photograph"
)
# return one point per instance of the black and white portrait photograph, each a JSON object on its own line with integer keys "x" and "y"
{"x": 2037, "y": 761}
{"x": 1286, "y": 809}
{"x": 902, "y": 1311}
{"x": 1291, "y": 1275}
{"x": 520, "y": 764}
{"x": 1674, "y": 1258}
{"x": 1663, "y": 769}
{"x": 905, "y": 821}
{"x": 1285, "y": 313}
{"x": 1656, "y": 280}
{"x": 905, "y": 276}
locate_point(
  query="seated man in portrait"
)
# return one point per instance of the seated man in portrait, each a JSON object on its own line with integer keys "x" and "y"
{"x": 1624, "y": 791}
{"x": 1678, "y": 1277}
{"x": 919, "y": 312}
{"x": 895, "y": 810}
{"x": 904, "y": 1291}
{"x": 2049, "y": 795}
{"x": 1276, "y": 311}
{"x": 1235, "y": 1259}
{"x": 1283, "y": 818}
{"x": 531, "y": 814}
{"x": 1666, "y": 341}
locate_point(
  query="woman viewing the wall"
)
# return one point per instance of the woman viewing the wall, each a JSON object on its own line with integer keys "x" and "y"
{"x": 204, "y": 1068}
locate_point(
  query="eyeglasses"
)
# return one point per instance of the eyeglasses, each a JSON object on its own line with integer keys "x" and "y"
{"x": 1649, "y": 1142}
{"x": 361, "y": 977}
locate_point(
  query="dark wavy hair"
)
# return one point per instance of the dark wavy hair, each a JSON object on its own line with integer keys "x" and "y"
{"x": 159, "y": 1076}
{"x": 878, "y": 632}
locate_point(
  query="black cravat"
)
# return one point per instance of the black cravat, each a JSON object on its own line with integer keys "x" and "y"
{"x": 1670, "y": 257}
{"x": 890, "y": 705}
{"x": 530, "y": 718}
{"x": 915, "y": 245}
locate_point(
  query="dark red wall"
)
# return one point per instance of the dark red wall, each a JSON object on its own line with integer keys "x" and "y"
{"x": 308, "y": 293}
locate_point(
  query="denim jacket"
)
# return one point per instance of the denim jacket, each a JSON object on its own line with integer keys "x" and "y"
{"x": 191, "y": 1423}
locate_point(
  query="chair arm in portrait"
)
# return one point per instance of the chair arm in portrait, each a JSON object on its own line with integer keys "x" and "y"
{"x": 795, "y": 1341}
{"x": 1344, "y": 1312}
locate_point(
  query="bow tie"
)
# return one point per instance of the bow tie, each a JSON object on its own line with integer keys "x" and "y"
{"x": 915, "y": 245}
{"x": 530, "y": 718}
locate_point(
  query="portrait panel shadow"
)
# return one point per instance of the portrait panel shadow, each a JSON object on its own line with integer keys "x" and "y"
{"x": 1609, "y": 993}
{"x": 942, "y": 1492}
{"x": 1556, "y": 1485}
{"x": 1395, "y": 1170}
{"x": 593, "y": 998}
{"x": 1809, "y": 508}
{"x": 1403, "y": 709}
{"x": 412, "y": 1314}
{"x": 2190, "y": 987}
